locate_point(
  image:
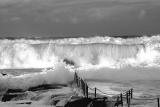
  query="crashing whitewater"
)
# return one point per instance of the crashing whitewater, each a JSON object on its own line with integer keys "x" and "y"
{"x": 101, "y": 55}
{"x": 83, "y": 52}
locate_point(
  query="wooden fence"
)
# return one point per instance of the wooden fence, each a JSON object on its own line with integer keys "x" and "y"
{"x": 127, "y": 95}
{"x": 119, "y": 98}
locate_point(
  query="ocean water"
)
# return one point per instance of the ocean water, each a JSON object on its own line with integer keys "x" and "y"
{"x": 111, "y": 64}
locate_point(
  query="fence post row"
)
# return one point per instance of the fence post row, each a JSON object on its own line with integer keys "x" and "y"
{"x": 81, "y": 84}
{"x": 129, "y": 96}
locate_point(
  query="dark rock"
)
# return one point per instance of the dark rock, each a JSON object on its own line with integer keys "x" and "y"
{"x": 83, "y": 102}
{"x": 98, "y": 103}
{"x": 15, "y": 91}
{"x": 89, "y": 102}
{"x": 4, "y": 74}
{"x": 55, "y": 102}
{"x": 12, "y": 93}
{"x": 69, "y": 62}
{"x": 7, "y": 97}
{"x": 45, "y": 87}
{"x": 25, "y": 103}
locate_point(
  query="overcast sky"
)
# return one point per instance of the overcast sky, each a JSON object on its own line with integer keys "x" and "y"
{"x": 79, "y": 17}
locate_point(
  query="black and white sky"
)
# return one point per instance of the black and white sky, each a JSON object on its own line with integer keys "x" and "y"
{"x": 79, "y": 17}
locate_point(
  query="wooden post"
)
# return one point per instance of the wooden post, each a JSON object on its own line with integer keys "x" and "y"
{"x": 131, "y": 93}
{"x": 127, "y": 96}
{"x": 95, "y": 92}
{"x": 129, "y": 99}
{"x": 77, "y": 79}
{"x": 121, "y": 96}
{"x": 87, "y": 90}
{"x": 158, "y": 102}
{"x": 84, "y": 88}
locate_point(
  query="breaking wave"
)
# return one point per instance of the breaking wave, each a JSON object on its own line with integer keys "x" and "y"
{"x": 46, "y": 76}
{"x": 80, "y": 52}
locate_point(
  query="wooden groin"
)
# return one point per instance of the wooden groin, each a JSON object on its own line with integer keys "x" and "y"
{"x": 101, "y": 99}
{"x": 122, "y": 99}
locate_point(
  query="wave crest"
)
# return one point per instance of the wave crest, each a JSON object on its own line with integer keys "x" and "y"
{"x": 82, "y": 52}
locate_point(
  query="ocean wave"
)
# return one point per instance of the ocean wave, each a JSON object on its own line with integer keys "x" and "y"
{"x": 82, "y": 52}
{"x": 61, "y": 74}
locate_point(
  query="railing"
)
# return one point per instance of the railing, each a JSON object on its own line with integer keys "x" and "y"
{"x": 81, "y": 84}
{"x": 118, "y": 98}
{"x": 128, "y": 95}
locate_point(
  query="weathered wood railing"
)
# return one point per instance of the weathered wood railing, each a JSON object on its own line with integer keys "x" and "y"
{"x": 128, "y": 95}
{"x": 119, "y": 98}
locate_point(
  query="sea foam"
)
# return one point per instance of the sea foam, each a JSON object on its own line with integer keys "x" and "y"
{"x": 83, "y": 52}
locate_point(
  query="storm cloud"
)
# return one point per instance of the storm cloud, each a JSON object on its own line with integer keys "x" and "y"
{"x": 78, "y": 17}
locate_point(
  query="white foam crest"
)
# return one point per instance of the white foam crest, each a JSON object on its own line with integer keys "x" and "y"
{"x": 58, "y": 75}
{"x": 83, "y": 52}
{"x": 20, "y": 55}
{"x": 82, "y": 40}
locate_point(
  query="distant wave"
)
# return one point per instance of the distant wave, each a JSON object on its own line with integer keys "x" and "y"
{"x": 34, "y": 37}
{"x": 112, "y": 52}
